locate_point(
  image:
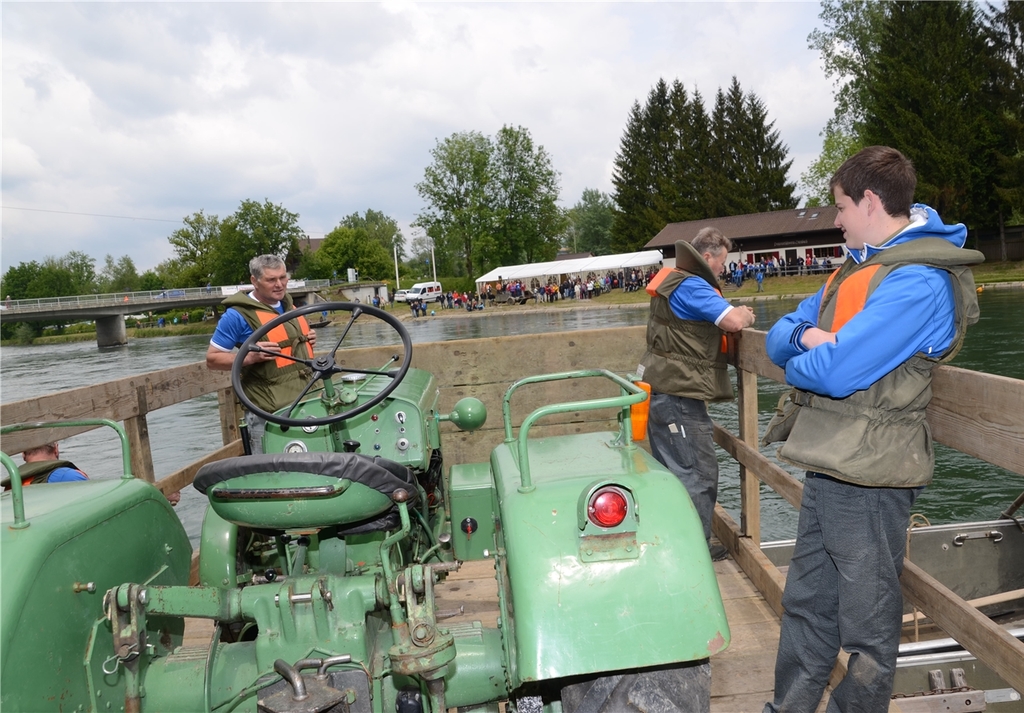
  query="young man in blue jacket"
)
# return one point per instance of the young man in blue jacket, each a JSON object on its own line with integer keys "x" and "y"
{"x": 859, "y": 354}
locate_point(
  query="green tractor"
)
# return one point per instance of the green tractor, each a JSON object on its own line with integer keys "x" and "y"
{"x": 319, "y": 561}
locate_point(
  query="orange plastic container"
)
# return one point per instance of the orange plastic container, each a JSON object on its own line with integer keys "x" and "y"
{"x": 638, "y": 413}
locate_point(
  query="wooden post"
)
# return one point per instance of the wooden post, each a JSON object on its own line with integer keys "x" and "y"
{"x": 228, "y": 415}
{"x": 750, "y": 486}
{"x": 137, "y": 430}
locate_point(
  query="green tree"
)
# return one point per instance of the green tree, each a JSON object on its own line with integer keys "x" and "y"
{"x": 457, "y": 215}
{"x": 150, "y": 281}
{"x": 254, "y": 229}
{"x": 1004, "y": 31}
{"x": 345, "y": 247}
{"x": 839, "y": 145}
{"x": 590, "y": 223}
{"x": 19, "y": 281}
{"x": 71, "y": 274}
{"x": 848, "y": 42}
{"x": 119, "y": 275}
{"x": 523, "y": 195}
{"x": 677, "y": 163}
{"x": 636, "y": 219}
{"x": 195, "y": 246}
{"x": 380, "y": 228}
{"x": 947, "y": 128}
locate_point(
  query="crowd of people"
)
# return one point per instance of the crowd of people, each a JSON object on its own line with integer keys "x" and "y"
{"x": 736, "y": 272}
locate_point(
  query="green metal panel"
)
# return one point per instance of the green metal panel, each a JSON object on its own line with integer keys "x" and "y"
{"x": 570, "y": 616}
{"x": 477, "y": 674}
{"x": 101, "y": 532}
{"x": 400, "y": 429}
{"x": 472, "y": 496}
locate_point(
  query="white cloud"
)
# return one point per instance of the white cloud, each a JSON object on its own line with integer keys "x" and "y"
{"x": 159, "y": 110}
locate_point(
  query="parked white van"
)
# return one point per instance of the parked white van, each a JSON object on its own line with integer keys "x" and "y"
{"x": 426, "y": 291}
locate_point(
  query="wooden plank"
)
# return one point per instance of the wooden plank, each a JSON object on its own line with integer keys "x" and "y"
{"x": 988, "y": 641}
{"x": 979, "y": 414}
{"x": 764, "y": 575}
{"x": 116, "y": 400}
{"x": 183, "y": 477}
{"x": 750, "y": 486}
{"x": 137, "y": 430}
{"x": 230, "y": 414}
{"x": 769, "y": 473}
{"x": 752, "y": 356}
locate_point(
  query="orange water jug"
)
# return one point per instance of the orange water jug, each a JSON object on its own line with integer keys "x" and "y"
{"x": 638, "y": 413}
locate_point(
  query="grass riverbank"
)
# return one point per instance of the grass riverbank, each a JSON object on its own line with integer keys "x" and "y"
{"x": 1004, "y": 274}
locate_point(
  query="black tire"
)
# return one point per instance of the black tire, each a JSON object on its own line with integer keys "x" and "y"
{"x": 681, "y": 688}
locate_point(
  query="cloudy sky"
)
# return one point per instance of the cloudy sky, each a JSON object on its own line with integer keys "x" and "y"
{"x": 120, "y": 119}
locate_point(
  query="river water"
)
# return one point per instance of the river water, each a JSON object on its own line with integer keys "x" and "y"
{"x": 964, "y": 487}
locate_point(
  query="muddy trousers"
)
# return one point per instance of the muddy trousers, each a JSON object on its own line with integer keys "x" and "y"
{"x": 843, "y": 590}
{"x": 681, "y": 435}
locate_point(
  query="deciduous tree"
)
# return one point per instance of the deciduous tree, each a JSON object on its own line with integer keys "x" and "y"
{"x": 255, "y": 229}
{"x": 590, "y": 223}
{"x": 195, "y": 246}
{"x": 457, "y": 216}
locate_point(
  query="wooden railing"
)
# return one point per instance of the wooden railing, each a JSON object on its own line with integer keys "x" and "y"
{"x": 978, "y": 414}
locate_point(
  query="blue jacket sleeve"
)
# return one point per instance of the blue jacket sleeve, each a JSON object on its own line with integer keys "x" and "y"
{"x": 912, "y": 311}
{"x": 783, "y": 340}
{"x": 696, "y": 300}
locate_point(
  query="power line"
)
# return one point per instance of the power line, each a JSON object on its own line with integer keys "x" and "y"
{"x": 92, "y": 215}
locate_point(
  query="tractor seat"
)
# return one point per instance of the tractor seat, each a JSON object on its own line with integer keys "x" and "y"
{"x": 283, "y": 491}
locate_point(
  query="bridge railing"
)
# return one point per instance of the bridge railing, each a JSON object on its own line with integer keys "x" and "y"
{"x": 114, "y": 299}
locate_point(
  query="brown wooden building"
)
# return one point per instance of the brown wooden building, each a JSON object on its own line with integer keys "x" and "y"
{"x": 785, "y": 234}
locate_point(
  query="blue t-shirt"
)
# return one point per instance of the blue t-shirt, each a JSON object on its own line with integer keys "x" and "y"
{"x": 232, "y": 329}
{"x": 696, "y": 300}
{"x": 65, "y": 475}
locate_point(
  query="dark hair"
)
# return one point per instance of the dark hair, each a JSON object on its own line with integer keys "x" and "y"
{"x": 882, "y": 170}
{"x": 711, "y": 240}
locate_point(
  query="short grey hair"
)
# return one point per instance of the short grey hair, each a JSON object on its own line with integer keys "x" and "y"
{"x": 264, "y": 262}
{"x": 711, "y": 240}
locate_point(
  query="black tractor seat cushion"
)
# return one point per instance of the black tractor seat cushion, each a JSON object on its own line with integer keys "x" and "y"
{"x": 374, "y": 472}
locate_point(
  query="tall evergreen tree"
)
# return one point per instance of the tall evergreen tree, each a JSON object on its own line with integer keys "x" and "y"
{"x": 634, "y": 187}
{"x": 927, "y": 97}
{"x": 1004, "y": 30}
{"x": 676, "y": 163}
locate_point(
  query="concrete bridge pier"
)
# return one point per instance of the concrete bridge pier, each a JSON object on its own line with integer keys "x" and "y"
{"x": 110, "y": 331}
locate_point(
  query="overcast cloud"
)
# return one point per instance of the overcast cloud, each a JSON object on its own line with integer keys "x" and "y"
{"x": 155, "y": 111}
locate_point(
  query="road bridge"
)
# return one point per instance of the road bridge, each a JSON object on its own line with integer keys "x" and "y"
{"x": 109, "y": 310}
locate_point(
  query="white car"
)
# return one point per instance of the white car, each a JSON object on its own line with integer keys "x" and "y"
{"x": 400, "y": 295}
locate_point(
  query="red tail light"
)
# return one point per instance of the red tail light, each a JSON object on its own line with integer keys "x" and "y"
{"x": 608, "y": 507}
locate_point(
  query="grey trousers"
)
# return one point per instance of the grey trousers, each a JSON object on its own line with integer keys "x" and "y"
{"x": 843, "y": 590}
{"x": 256, "y": 426}
{"x": 682, "y": 439}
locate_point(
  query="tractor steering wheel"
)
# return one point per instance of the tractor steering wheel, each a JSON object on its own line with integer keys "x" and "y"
{"x": 323, "y": 367}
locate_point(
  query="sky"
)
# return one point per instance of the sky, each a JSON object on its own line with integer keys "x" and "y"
{"x": 120, "y": 119}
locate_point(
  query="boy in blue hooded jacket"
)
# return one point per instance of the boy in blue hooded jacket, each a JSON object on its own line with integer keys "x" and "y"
{"x": 859, "y": 354}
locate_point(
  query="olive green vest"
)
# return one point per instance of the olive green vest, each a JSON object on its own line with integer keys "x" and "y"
{"x": 268, "y": 386}
{"x": 878, "y": 436}
{"x": 684, "y": 357}
{"x": 39, "y": 471}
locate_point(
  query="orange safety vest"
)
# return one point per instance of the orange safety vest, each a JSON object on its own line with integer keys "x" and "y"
{"x": 851, "y": 297}
{"x": 280, "y": 335}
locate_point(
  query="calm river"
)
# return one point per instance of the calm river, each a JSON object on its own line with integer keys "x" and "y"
{"x": 964, "y": 488}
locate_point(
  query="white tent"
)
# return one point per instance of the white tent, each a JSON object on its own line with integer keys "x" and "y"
{"x": 577, "y": 266}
